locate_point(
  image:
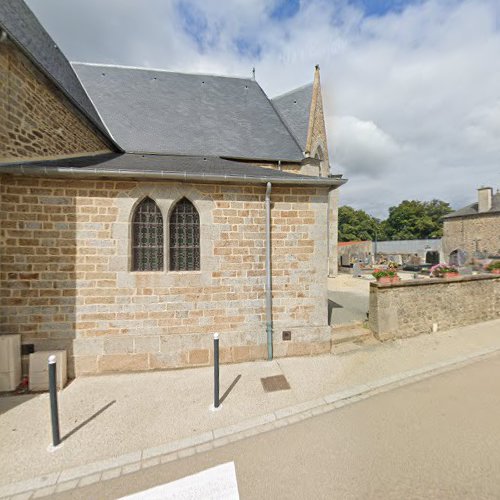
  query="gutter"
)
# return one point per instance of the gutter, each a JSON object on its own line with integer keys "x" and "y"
{"x": 269, "y": 318}
{"x": 85, "y": 173}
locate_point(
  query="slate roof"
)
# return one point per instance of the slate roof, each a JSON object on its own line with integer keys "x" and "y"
{"x": 295, "y": 107}
{"x": 180, "y": 167}
{"x": 156, "y": 111}
{"x": 22, "y": 26}
{"x": 472, "y": 209}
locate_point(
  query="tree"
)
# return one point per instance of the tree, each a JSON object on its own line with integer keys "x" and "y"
{"x": 416, "y": 220}
{"x": 357, "y": 225}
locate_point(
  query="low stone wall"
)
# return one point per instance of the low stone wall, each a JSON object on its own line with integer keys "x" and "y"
{"x": 412, "y": 307}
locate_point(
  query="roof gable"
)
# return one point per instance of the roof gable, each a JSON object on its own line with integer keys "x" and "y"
{"x": 295, "y": 107}
{"x": 155, "y": 111}
{"x": 472, "y": 209}
{"x": 25, "y": 30}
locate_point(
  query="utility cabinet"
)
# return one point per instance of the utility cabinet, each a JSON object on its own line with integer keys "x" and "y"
{"x": 10, "y": 362}
{"x": 39, "y": 370}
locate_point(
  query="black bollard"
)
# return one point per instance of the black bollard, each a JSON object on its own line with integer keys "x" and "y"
{"x": 54, "y": 414}
{"x": 216, "y": 370}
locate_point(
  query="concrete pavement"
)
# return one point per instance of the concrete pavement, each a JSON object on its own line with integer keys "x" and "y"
{"x": 119, "y": 423}
{"x": 348, "y": 297}
{"x": 434, "y": 439}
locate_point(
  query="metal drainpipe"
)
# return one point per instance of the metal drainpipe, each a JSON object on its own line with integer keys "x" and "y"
{"x": 269, "y": 320}
{"x": 329, "y": 272}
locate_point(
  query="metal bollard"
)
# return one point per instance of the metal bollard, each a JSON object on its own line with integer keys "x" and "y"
{"x": 216, "y": 370}
{"x": 54, "y": 414}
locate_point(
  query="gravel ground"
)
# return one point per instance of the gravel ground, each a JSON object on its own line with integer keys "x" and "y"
{"x": 106, "y": 416}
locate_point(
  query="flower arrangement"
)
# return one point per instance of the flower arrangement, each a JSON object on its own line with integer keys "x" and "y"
{"x": 384, "y": 273}
{"x": 494, "y": 267}
{"x": 441, "y": 270}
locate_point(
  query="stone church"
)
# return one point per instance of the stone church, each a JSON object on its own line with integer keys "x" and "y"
{"x": 143, "y": 210}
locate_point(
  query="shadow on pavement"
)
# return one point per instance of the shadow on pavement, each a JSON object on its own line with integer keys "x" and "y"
{"x": 11, "y": 401}
{"x": 230, "y": 388}
{"x": 85, "y": 422}
{"x": 346, "y": 307}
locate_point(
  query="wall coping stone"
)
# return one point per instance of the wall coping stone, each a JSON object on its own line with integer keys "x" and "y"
{"x": 435, "y": 281}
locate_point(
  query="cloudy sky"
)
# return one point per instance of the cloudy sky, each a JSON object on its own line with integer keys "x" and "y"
{"x": 411, "y": 88}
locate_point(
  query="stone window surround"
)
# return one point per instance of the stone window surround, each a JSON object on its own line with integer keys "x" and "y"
{"x": 135, "y": 264}
{"x": 166, "y": 197}
{"x": 186, "y": 255}
{"x": 319, "y": 147}
{"x": 318, "y": 151}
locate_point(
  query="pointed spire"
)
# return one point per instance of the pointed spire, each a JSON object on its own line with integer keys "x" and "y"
{"x": 316, "y": 74}
{"x": 316, "y": 94}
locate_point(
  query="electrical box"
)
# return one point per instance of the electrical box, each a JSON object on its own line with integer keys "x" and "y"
{"x": 39, "y": 370}
{"x": 10, "y": 362}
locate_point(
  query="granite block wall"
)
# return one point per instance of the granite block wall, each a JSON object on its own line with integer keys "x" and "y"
{"x": 412, "y": 307}
{"x": 66, "y": 279}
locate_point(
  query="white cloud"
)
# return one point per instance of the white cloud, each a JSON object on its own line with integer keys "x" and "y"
{"x": 412, "y": 97}
{"x": 361, "y": 147}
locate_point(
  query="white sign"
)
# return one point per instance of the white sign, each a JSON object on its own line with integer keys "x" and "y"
{"x": 216, "y": 483}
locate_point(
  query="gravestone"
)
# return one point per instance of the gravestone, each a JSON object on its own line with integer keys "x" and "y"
{"x": 458, "y": 257}
{"x": 356, "y": 269}
{"x": 345, "y": 261}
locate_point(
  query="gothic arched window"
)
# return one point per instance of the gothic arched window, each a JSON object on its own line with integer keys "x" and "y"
{"x": 147, "y": 237}
{"x": 184, "y": 237}
{"x": 319, "y": 153}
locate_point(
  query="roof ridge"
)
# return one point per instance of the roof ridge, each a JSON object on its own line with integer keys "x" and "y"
{"x": 282, "y": 120}
{"x": 161, "y": 70}
{"x": 105, "y": 125}
{"x": 289, "y": 92}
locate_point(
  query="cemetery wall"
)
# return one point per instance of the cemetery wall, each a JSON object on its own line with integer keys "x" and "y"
{"x": 413, "y": 307}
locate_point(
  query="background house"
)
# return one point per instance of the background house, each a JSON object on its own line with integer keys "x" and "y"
{"x": 473, "y": 232}
{"x": 134, "y": 211}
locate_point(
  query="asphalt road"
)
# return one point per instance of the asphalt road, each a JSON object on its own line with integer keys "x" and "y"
{"x": 435, "y": 439}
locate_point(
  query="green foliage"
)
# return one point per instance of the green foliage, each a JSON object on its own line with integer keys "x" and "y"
{"x": 416, "y": 220}
{"x": 357, "y": 225}
{"x": 410, "y": 220}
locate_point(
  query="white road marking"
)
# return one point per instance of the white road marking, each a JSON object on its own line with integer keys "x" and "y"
{"x": 216, "y": 483}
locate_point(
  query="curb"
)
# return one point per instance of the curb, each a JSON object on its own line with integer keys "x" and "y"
{"x": 103, "y": 470}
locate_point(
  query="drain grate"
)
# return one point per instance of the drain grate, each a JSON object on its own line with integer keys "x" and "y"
{"x": 275, "y": 383}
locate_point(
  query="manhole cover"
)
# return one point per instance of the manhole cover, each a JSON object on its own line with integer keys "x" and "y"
{"x": 275, "y": 383}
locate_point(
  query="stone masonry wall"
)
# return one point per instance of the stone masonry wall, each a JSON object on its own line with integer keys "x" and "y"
{"x": 333, "y": 233}
{"x": 36, "y": 119}
{"x": 462, "y": 233}
{"x": 411, "y": 308}
{"x": 66, "y": 283}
